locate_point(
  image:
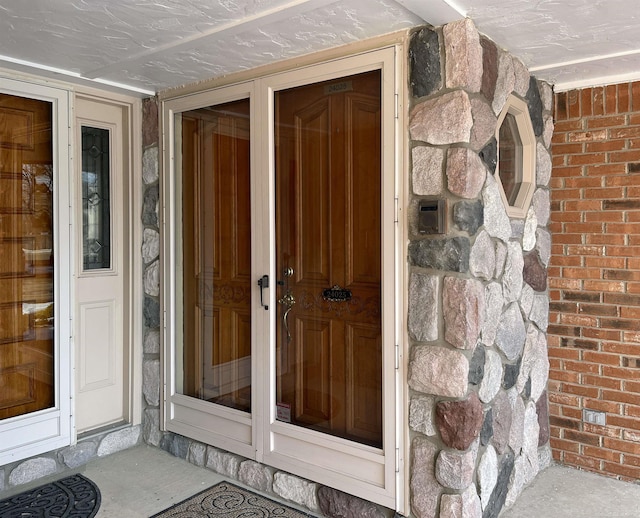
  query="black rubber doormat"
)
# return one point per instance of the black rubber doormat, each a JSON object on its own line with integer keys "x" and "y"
{"x": 74, "y": 496}
{"x": 225, "y": 500}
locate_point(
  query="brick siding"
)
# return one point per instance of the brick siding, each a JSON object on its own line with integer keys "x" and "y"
{"x": 594, "y": 279}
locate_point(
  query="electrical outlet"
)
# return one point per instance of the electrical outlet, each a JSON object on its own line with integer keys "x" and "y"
{"x": 594, "y": 417}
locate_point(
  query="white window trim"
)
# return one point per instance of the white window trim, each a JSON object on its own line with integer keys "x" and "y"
{"x": 520, "y": 111}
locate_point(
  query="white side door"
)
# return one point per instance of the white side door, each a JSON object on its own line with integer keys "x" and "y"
{"x": 101, "y": 343}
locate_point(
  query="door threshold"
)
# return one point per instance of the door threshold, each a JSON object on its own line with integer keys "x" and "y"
{"x": 103, "y": 429}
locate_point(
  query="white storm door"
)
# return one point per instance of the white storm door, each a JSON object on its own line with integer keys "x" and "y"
{"x": 211, "y": 320}
{"x": 247, "y": 258}
{"x": 330, "y": 415}
{"x": 100, "y": 343}
{"x": 35, "y": 414}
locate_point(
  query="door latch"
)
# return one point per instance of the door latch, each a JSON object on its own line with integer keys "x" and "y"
{"x": 263, "y": 282}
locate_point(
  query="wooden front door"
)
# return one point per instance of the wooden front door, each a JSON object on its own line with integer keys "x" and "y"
{"x": 328, "y": 257}
{"x": 26, "y": 256}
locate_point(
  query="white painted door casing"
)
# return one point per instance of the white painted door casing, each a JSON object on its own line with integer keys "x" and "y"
{"x": 101, "y": 345}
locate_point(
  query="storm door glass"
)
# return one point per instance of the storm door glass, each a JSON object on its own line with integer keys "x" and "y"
{"x": 96, "y": 221}
{"x": 328, "y": 257}
{"x": 216, "y": 255}
{"x": 26, "y": 257}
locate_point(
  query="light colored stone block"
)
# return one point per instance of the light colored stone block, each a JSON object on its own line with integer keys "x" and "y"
{"x": 463, "y": 55}
{"x": 427, "y": 172}
{"x": 297, "y": 490}
{"x": 425, "y": 489}
{"x": 446, "y": 119}
{"x": 439, "y": 371}
{"x": 31, "y": 470}
{"x": 119, "y": 440}
{"x": 466, "y": 172}
{"x": 455, "y": 470}
{"x": 463, "y": 311}
{"x": 424, "y": 295}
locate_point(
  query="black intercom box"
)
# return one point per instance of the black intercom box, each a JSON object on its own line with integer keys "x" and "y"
{"x": 431, "y": 217}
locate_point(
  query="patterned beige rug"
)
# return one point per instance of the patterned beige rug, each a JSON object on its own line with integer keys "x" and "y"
{"x": 225, "y": 500}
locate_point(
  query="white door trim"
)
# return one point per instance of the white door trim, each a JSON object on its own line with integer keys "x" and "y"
{"x": 213, "y": 424}
{"x": 132, "y": 264}
{"x": 40, "y": 432}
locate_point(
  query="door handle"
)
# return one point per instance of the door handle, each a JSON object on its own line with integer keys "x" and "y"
{"x": 287, "y": 300}
{"x": 263, "y": 282}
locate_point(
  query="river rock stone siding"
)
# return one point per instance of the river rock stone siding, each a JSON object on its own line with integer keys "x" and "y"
{"x": 478, "y": 299}
{"x": 66, "y": 459}
{"x": 151, "y": 275}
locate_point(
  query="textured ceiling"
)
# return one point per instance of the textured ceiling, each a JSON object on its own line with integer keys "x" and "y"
{"x": 151, "y": 45}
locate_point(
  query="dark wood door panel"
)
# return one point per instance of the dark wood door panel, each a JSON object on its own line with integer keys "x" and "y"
{"x": 217, "y": 254}
{"x": 328, "y": 229}
{"x": 26, "y": 256}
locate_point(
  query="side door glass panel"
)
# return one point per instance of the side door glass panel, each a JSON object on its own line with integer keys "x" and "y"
{"x": 27, "y": 363}
{"x": 216, "y": 255}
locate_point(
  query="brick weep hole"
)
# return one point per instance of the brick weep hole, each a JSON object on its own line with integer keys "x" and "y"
{"x": 594, "y": 279}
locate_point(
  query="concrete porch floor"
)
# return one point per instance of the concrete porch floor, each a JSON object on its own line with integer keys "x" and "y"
{"x": 139, "y": 482}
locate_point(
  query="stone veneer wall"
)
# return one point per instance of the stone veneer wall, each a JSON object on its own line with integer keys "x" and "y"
{"x": 67, "y": 459}
{"x": 151, "y": 277}
{"x": 478, "y": 298}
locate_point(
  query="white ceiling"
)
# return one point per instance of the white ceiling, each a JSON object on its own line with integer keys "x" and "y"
{"x": 149, "y": 45}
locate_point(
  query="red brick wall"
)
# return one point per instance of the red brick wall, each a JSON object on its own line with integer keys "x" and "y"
{"x": 594, "y": 279}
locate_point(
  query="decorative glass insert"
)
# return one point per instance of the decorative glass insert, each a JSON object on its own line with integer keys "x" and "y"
{"x": 516, "y": 167}
{"x": 96, "y": 207}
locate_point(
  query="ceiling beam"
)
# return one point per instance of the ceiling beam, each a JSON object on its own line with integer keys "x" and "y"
{"x": 435, "y": 12}
{"x": 62, "y": 75}
{"x": 248, "y": 23}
